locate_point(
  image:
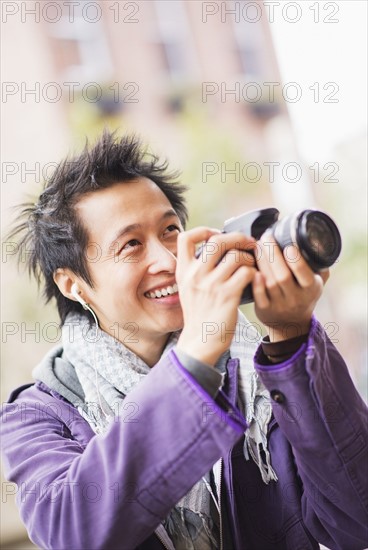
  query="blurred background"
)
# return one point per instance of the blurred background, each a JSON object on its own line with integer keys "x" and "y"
{"x": 257, "y": 103}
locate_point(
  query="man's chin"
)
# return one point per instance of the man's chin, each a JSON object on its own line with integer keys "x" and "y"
{"x": 175, "y": 326}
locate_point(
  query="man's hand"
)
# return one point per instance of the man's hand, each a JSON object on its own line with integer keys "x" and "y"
{"x": 210, "y": 288}
{"x": 285, "y": 290}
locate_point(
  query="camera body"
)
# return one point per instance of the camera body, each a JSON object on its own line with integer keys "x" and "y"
{"x": 312, "y": 231}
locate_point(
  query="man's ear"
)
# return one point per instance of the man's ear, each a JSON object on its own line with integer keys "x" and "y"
{"x": 64, "y": 279}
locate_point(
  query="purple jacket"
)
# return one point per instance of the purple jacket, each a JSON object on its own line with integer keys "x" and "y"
{"x": 78, "y": 490}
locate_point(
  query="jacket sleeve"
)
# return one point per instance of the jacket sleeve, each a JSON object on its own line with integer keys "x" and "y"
{"x": 325, "y": 420}
{"x": 114, "y": 491}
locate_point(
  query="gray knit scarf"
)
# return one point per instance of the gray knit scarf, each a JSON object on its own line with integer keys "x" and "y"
{"x": 108, "y": 371}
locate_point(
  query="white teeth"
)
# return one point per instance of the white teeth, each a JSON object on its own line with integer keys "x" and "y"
{"x": 168, "y": 291}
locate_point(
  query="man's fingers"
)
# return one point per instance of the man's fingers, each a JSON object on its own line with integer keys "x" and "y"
{"x": 187, "y": 241}
{"x": 219, "y": 247}
{"x": 260, "y": 296}
{"x": 215, "y": 247}
{"x": 232, "y": 261}
{"x": 266, "y": 265}
{"x": 298, "y": 266}
{"x": 280, "y": 269}
{"x": 241, "y": 278}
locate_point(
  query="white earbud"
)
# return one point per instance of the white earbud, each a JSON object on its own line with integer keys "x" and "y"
{"x": 78, "y": 297}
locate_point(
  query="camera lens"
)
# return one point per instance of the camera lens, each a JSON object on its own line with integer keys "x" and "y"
{"x": 318, "y": 238}
{"x": 315, "y": 234}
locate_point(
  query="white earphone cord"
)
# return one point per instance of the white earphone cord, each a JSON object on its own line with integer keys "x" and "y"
{"x": 87, "y": 307}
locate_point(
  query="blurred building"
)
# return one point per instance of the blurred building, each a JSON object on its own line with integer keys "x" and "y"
{"x": 155, "y": 60}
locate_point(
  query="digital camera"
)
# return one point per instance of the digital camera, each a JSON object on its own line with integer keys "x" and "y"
{"x": 313, "y": 232}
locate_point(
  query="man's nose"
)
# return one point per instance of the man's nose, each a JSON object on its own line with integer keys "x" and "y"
{"x": 161, "y": 259}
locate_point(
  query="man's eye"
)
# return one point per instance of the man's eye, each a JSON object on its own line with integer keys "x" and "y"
{"x": 131, "y": 244}
{"x": 172, "y": 228}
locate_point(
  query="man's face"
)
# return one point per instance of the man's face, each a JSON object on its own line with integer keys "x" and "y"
{"x": 132, "y": 230}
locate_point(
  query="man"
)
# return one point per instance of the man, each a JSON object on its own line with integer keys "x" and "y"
{"x": 151, "y": 426}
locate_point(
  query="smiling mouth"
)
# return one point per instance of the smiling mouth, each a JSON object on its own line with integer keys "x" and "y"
{"x": 162, "y": 292}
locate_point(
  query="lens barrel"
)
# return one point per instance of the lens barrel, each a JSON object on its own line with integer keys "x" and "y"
{"x": 315, "y": 234}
